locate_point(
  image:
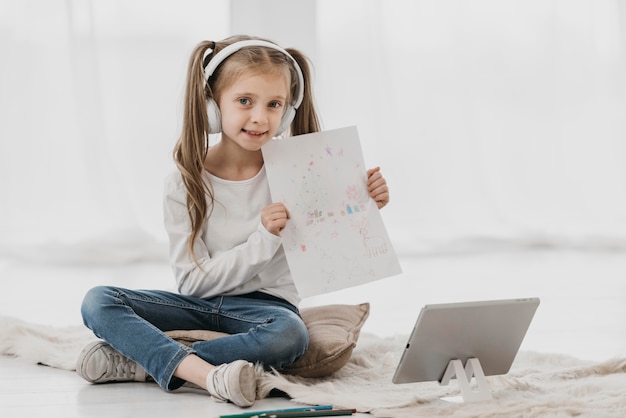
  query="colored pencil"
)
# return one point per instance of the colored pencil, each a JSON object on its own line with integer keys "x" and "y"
{"x": 268, "y": 412}
{"x": 319, "y": 413}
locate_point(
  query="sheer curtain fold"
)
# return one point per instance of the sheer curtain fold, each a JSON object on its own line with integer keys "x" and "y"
{"x": 496, "y": 123}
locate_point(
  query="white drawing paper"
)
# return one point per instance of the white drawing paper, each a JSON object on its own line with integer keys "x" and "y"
{"x": 335, "y": 237}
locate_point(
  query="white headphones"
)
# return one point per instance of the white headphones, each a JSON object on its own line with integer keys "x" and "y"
{"x": 213, "y": 110}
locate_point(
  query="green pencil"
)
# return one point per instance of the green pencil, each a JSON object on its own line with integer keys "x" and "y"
{"x": 268, "y": 412}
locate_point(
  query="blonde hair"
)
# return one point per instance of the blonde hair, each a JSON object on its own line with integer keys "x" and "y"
{"x": 193, "y": 144}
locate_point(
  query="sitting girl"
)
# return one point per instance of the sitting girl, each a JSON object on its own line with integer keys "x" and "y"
{"x": 224, "y": 231}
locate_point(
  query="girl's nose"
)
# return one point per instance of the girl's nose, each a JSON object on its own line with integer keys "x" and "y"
{"x": 259, "y": 115}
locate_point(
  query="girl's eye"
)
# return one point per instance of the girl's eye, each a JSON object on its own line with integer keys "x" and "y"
{"x": 275, "y": 104}
{"x": 244, "y": 101}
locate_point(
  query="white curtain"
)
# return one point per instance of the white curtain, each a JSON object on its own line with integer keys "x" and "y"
{"x": 91, "y": 107}
{"x": 496, "y": 123}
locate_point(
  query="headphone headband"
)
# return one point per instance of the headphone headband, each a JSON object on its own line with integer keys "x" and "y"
{"x": 234, "y": 47}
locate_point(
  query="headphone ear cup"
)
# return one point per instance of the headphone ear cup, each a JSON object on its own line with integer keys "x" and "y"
{"x": 215, "y": 118}
{"x": 290, "y": 113}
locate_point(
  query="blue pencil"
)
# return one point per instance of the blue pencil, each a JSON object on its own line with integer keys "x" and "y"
{"x": 274, "y": 411}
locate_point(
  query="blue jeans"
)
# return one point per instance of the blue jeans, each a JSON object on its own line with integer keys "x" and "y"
{"x": 263, "y": 329}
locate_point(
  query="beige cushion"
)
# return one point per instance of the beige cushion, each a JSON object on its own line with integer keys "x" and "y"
{"x": 333, "y": 334}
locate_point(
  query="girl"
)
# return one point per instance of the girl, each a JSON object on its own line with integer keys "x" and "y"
{"x": 224, "y": 232}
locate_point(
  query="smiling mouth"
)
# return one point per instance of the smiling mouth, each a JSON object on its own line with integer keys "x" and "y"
{"x": 254, "y": 133}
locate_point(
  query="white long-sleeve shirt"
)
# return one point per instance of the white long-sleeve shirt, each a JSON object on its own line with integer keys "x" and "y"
{"x": 237, "y": 254}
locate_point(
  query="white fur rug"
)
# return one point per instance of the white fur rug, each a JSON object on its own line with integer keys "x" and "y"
{"x": 539, "y": 385}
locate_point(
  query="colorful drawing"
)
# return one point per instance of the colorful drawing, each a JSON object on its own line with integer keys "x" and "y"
{"x": 335, "y": 237}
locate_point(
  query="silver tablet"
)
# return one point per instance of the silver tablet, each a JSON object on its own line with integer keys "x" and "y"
{"x": 491, "y": 331}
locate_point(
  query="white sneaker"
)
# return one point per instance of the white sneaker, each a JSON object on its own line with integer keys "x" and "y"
{"x": 234, "y": 382}
{"x": 100, "y": 363}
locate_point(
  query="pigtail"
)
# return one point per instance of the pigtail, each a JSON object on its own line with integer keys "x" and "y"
{"x": 193, "y": 144}
{"x": 306, "y": 119}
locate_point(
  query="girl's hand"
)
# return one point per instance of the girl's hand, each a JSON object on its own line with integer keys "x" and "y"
{"x": 274, "y": 217}
{"x": 377, "y": 187}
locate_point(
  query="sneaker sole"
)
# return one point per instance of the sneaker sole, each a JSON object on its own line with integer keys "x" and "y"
{"x": 248, "y": 386}
{"x": 84, "y": 356}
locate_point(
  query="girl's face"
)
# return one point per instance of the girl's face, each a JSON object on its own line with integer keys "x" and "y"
{"x": 252, "y": 108}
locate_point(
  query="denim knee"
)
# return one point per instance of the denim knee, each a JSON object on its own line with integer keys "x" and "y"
{"x": 93, "y": 303}
{"x": 290, "y": 345}
{"x": 299, "y": 335}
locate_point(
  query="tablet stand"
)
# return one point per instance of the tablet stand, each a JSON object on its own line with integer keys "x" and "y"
{"x": 464, "y": 376}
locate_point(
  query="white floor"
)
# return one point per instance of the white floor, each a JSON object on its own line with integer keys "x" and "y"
{"x": 582, "y": 313}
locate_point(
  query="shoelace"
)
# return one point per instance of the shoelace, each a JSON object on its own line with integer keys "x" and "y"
{"x": 120, "y": 367}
